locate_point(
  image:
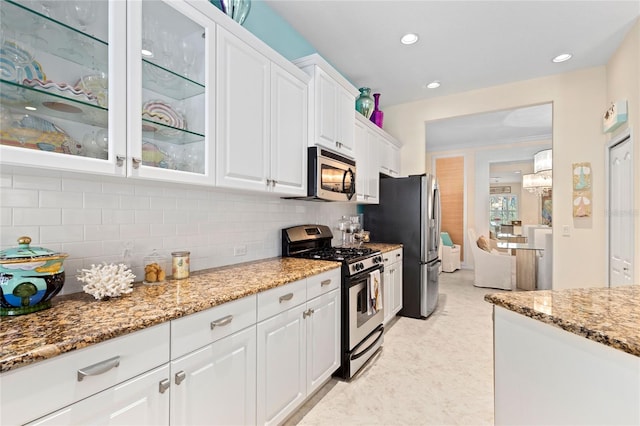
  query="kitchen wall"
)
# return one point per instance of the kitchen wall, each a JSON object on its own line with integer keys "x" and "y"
{"x": 579, "y": 100}
{"x": 623, "y": 82}
{"x": 477, "y": 164}
{"x": 95, "y": 219}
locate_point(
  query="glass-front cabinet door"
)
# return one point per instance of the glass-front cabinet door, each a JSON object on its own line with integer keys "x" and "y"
{"x": 169, "y": 70}
{"x": 63, "y": 84}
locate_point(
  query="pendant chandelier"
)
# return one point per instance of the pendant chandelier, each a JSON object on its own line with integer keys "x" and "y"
{"x": 541, "y": 181}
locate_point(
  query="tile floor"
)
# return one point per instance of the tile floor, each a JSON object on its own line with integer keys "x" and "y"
{"x": 433, "y": 372}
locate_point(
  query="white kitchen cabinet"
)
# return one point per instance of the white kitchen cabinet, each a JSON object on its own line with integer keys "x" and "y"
{"x": 331, "y": 106}
{"x": 142, "y": 115}
{"x": 392, "y": 284}
{"x": 281, "y": 370}
{"x": 298, "y": 343}
{"x": 261, "y": 119}
{"x": 143, "y": 400}
{"x": 213, "y": 365}
{"x": 390, "y": 156}
{"x": 323, "y": 339}
{"x": 171, "y": 80}
{"x": 71, "y": 377}
{"x": 217, "y": 383}
{"x": 368, "y": 144}
{"x": 54, "y": 126}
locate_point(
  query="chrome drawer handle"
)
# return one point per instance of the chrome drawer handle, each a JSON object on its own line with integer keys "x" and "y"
{"x": 326, "y": 282}
{"x": 222, "y": 321}
{"x": 180, "y": 376}
{"x": 99, "y": 368}
{"x": 287, "y": 296}
{"x": 164, "y": 385}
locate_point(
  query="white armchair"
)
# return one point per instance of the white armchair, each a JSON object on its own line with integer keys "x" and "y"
{"x": 492, "y": 269}
{"x": 450, "y": 257}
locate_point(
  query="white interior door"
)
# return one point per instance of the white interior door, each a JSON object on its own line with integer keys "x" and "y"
{"x": 621, "y": 226}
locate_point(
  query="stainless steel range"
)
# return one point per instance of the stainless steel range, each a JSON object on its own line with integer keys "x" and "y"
{"x": 362, "y": 313}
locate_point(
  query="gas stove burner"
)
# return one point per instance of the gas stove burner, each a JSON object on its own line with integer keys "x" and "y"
{"x": 339, "y": 253}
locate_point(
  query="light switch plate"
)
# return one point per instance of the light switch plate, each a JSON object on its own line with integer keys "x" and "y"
{"x": 566, "y": 231}
{"x": 240, "y": 250}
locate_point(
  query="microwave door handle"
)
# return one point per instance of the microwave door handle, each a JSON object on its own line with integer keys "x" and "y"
{"x": 352, "y": 192}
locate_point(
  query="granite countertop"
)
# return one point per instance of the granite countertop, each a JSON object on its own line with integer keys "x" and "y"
{"x": 78, "y": 320}
{"x": 610, "y": 316}
{"x": 383, "y": 247}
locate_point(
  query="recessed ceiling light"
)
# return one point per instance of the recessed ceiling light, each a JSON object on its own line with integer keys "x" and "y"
{"x": 147, "y": 53}
{"x": 433, "y": 85}
{"x": 30, "y": 108}
{"x": 563, "y": 57}
{"x": 517, "y": 172}
{"x": 409, "y": 38}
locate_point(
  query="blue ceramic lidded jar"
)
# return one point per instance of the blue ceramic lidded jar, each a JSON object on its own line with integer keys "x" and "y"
{"x": 29, "y": 278}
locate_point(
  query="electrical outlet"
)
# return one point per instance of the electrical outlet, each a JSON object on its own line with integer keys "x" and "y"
{"x": 566, "y": 231}
{"x": 240, "y": 250}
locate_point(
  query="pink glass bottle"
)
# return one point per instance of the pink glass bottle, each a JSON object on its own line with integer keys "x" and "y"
{"x": 377, "y": 116}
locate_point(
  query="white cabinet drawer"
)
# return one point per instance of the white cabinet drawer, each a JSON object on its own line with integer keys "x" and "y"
{"x": 392, "y": 256}
{"x": 33, "y": 391}
{"x": 279, "y": 299}
{"x": 323, "y": 283}
{"x": 200, "y": 329}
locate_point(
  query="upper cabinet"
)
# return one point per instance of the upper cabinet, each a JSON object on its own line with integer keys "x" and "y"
{"x": 170, "y": 92}
{"x": 262, "y": 120}
{"x": 63, "y": 85}
{"x": 368, "y": 146}
{"x": 389, "y": 156}
{"x": 331, "y": 105}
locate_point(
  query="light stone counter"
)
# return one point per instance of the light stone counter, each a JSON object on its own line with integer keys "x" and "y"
{"x": 610, "y": 316}
{"x": 383, "y": 247}
{"x": 78, "y": 320}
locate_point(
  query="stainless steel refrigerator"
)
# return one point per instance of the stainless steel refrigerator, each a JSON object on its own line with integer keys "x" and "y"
{"x": 409, "y": 213}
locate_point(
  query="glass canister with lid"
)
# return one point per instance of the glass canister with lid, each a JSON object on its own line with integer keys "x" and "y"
{"x": 180, "y": 264}
{"x": 155, "y": 268}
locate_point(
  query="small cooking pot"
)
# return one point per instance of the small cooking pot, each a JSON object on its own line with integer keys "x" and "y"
{"x": 29, "y": 278}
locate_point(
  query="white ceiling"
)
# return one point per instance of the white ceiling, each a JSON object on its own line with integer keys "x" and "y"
{"x": 466, "y": 45}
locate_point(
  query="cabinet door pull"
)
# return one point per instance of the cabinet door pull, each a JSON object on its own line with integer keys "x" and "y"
{"x": 268, "y": 182}
{"x": 99, "y": 368}
{"x": 164, "y": 385}
{"x": 325, "y": 282}
{"x": 180, "y": 376}
{"x": 287, "y": 296}
{"x": 386, "y": 259}
{"x": 120, "y": 160}
{"x": 222, "y": 321}
{"x": 274, "y": 182}
{"x": 136, "y": 162}
{"x": 398, "y": 255}
{"x": 307, "y": 313}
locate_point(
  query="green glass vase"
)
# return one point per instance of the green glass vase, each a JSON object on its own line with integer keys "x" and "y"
{"x": 364, "y": 103}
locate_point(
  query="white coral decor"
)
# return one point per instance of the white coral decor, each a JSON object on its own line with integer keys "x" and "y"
{"x": 107, "y": 280}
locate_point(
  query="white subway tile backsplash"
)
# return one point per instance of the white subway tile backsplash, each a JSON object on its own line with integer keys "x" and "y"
{"x": 118, "y": 217}
{"x": 135, "y": 202}
{"x": 61, "y": 199}
{"x": 33, "y": 216}
{"x": 95, "y": 219}
{"x": 101, "y": 201}
{"x": 81, "y": 216}
{"x": 10, "y": 197}
{"x": 61, "y": 234}
{"x": 118, "y": 188}
{"x": 10, "y": 234}
{"x": 149, "y": 216}
{"x": 102, "y": 232}
{"x": 6, "y": 216}
{"x": 36, "y": 182}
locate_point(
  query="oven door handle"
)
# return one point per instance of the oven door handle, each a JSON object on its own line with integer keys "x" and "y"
{"x": 359, "y": 354}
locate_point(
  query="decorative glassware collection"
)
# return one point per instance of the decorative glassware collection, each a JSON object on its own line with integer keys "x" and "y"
{"x": 369, "y": 107}
{"x": 54, "y": 31}
{"x": 66, "y": 110}
{"x": 353, "y": 235}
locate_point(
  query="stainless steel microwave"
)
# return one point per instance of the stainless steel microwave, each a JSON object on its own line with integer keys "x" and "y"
{"x": 330, "y": 177}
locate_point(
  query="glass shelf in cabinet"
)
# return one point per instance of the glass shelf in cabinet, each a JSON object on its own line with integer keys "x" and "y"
{"x": 164, "y": 81}
{"x": 154, "y": 131}
{"x": 16, "y": 96}
{"x": 59, "y": 39}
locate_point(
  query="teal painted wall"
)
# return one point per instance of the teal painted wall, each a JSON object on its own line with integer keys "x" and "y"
{"x": 268, "y": 26}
